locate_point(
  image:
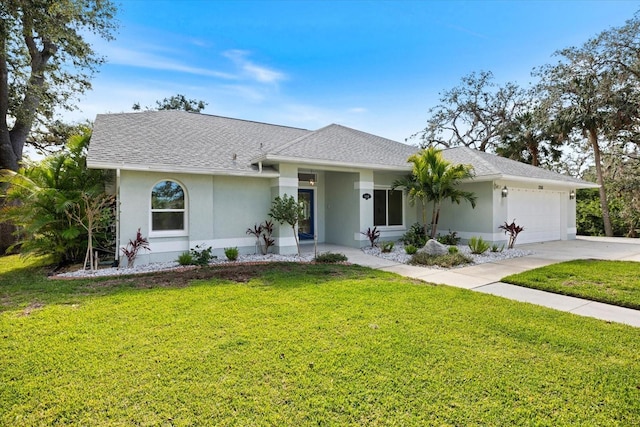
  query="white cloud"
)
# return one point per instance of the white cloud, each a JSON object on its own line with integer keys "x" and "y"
{"x": 357, "y": 110}
{"x": 141, "y": 59}
{"x": 253, "y": 71}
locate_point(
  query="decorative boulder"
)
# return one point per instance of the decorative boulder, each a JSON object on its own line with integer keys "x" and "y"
{"x": 433, "y": 247}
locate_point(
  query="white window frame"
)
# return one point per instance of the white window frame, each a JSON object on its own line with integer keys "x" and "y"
{"x": 169, "y": 233}
{"x": 387, "y": 189}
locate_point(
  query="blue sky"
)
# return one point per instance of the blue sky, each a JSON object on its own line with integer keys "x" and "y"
{"x": 377, "y": 66}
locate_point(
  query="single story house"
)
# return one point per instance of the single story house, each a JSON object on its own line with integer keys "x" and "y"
{"x": 188, "y": 179}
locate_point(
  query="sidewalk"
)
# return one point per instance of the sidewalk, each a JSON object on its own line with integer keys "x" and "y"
{"x": 486, "y": 277}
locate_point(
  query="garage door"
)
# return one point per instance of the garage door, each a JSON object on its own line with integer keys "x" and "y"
{"x": 538, "y": 211}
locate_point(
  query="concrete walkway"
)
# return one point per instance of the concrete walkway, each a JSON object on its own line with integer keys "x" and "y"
{"x": 486, "y": 277}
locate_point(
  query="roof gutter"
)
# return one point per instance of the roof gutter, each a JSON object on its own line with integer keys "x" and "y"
{"x": 538, "y": 181}
{"x": 328, "y": 164}
{"x": 175, "y": 169}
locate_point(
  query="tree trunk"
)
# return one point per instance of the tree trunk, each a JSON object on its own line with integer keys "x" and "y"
{"x": 606, "y": 219}
{"x": 8, "y": 159}
{"x": 12, "y": 141}
{"x": 7, "y": 237}
{"x": 424, "y": 217}
{"x": 434, "y": 219}
{"x": 295, "y": 236}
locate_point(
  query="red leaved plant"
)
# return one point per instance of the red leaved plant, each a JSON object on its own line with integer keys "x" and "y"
{"x": 512, "y": 230}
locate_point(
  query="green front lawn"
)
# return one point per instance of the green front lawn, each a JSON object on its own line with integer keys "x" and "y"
{"x": 290, "y": 344}
{"x": 611, "y": 282}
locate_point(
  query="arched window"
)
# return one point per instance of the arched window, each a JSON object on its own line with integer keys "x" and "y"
{"x": 167, "y": 207}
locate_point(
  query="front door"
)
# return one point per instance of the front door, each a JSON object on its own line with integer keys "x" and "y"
{"x": 306, "y": 223}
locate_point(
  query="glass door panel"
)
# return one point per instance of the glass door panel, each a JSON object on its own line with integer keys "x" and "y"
{"x": 306, "y": 226}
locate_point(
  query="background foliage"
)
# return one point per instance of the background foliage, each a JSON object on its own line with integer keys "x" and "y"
{"x": 40, "y": 195}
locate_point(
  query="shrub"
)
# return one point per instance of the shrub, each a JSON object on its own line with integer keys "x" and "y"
{"x": 387, "y": 247}
{"x": 185, "y": 259}
{"x": 373, "y": 234}
{"x": 267, "y": 231}
{"x": 496, "y": 248}
{"x": 453, "y": 250}
{"x": 256, "y": 232}
{"x": 447, "y": 261}
{"x": 201, "y": 256}
{"x": 410, "y": 249}
{"x": 512, "y": 230}
{"x": 37, "y": 199}
{"x": 449, "y": 239}
{"x": 231, "y": 253}
{"x": 262, "y": 233}
{"x": 330, "y": 258}
{"x": 415, "y": 236}
{"x": 478, "y": 245}
{"x": 131, "y": 250}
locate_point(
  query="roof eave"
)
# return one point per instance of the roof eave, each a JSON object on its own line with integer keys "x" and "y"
{"x": 539, "y": 181}
{"x": 329, "y": 163}
{"x": 176, "y": 169}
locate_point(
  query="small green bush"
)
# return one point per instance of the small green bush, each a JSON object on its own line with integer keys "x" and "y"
{"x": 449, "y": 239}
{"x": 410, "y": 249}
{"x": 496, "y": 248}
{"x": 453, "y": 249}
{"x": 447, "y": 261}
{"x": 386, "y": 247}
{"x": 415, "y": 236}
{"x": 231, "y": 253}
{"x": 478, "y": 245}
{"x": 330, "y": 258}
{"x": 185, "y": 259}
{"x": 202, "y": 256}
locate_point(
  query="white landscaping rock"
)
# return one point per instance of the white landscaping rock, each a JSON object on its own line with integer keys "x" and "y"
{"x": 400, "y": 256}
{"x": 173, "y": 265}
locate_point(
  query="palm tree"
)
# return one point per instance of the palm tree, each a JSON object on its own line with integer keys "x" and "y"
{"x": 41, "y": 195}
{"x": 434, "y": 179}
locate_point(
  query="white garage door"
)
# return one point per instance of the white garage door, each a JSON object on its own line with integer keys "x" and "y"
{"x": 538, "y": 211}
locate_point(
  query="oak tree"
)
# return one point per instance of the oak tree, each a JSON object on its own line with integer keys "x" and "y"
{"x": 472, "y": 114}
{"x": 590, "y": 92}
{"x": 46, "y": 60}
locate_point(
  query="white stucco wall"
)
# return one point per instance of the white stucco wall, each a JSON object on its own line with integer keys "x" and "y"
{"x": 285, "y": 184}
{"x": 464, "y": 219}
{"x": 238, "y": 203}
{"x": 219, "y": 211}
{"x": 221, "y": 208}
{"x": 492, "y": 210}
{"x": 342, "y": 208}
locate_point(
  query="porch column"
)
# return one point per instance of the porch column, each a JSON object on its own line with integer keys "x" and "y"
{"x": 286, "y": 183}
{"x": 364, "y": 190}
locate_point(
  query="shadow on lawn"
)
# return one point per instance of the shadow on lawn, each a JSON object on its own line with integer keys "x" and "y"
{"x": 27, "y": 286}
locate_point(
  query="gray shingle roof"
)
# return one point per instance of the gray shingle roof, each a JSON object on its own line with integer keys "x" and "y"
{"x": 191, "y": 142}
{"x": 488, "y": 165}
{"x": 181, "y": 140}
{"x": 340, "y": 144}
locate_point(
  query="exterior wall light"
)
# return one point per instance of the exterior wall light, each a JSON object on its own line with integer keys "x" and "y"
{"x": 309, "y": 177}
{"x": 572, "y": 194}
{"x": 505, "y": 191}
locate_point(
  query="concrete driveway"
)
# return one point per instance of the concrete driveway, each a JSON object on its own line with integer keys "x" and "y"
{"x": 486, "y": 277}
{"x": 547, "y": 253}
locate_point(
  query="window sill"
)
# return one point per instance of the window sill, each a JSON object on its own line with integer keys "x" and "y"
{"x": 391, "y": 227}
{"x": 177, "y": 233}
